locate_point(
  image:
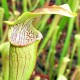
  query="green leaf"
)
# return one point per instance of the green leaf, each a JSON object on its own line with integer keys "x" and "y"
{"x": 61, "y": 10}
{"x": 22, "y": 61}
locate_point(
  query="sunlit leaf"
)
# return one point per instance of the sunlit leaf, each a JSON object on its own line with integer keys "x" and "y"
{"x": 62, "y": 77}
{"x": 61, "y": 10}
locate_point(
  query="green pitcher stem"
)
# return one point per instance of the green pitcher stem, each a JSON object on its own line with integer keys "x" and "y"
{"x": 22, "y": 61}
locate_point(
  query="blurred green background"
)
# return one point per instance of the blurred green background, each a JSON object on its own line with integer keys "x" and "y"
{"x": 59, "y": 50}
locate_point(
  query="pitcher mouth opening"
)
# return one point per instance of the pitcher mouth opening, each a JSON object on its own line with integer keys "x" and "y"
{"x": 23, "y": 34}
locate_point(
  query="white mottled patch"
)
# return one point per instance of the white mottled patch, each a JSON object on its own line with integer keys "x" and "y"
{"x": 23, "y": 34}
